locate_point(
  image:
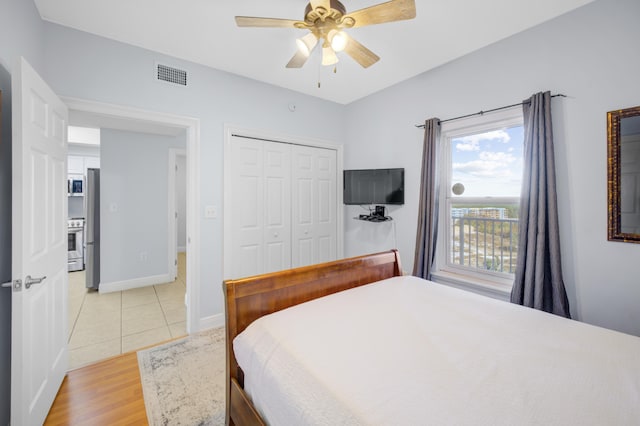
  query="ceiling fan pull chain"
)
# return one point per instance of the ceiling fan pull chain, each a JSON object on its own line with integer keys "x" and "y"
{"x": 319, "y": 74}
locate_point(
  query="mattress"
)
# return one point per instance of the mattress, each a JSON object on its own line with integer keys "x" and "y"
{"x": 408, "y": 351}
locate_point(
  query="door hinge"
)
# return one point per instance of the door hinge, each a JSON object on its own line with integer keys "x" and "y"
{"x": 176, "y": 263}
{"x": 16, "y": 285}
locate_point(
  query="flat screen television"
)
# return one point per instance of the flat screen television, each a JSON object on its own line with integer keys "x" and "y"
{"x": 374, "y": 186}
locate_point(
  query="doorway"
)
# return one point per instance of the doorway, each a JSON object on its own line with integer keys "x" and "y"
{"x": 172, "y": 300}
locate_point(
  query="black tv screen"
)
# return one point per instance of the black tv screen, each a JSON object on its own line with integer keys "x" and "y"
{"x": 374, "y": 186}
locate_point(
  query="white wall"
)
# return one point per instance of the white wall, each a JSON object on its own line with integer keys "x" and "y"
{"x": 21, "y": 34}
{"x": 591, "y": 55}
{"x": 134, "y": 182}
{"x": 85, "y": 66}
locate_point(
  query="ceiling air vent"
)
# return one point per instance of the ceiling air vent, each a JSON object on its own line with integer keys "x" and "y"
{"x": 171, "y": 75}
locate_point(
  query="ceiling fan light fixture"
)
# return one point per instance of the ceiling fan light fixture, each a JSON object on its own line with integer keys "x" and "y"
{"x": 306, "y": 44}
{"x": 326, "y": 19}
{"x": 329, "y": 57}
{"x": 338, "y": 40}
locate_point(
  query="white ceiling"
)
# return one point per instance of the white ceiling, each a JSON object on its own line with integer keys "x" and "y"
{"x": 204, "y": 31}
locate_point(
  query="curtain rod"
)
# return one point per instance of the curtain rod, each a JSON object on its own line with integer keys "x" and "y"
{"x": 421, "y": 126}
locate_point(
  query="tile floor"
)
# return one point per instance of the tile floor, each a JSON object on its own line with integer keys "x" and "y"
{"x": 109, "y": 324}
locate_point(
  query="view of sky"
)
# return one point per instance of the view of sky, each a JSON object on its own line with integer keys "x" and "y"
{"x": 489, "y": 164}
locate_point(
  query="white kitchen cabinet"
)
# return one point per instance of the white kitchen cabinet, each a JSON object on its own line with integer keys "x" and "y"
{"x": 75, "y": 165}
{"x": 78, "y": 165}
{"x": 91, "y": 163}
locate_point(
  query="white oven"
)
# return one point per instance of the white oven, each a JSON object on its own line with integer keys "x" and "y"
{"x": 75, "y": 244}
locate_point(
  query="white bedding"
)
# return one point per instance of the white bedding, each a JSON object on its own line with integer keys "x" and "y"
{"x": 411, "y": 352}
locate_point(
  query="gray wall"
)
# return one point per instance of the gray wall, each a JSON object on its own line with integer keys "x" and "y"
{"x": 585, "y": 54}
{"x": 21, "y": 34}
{"x": 181, "y": 200}
{"x": 134, "y": 178}
{"x": 85, "y": 66}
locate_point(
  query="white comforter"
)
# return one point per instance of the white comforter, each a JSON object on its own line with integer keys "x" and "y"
{"x": 405, "y": 351}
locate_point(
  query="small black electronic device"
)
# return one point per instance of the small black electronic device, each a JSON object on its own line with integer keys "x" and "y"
{"x": 379, "y": 211}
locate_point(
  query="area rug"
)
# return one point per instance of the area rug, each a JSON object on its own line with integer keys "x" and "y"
{"x": 183, "y": 381}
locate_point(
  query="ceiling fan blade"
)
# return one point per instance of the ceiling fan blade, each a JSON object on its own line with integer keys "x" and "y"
{"x": 252, "y": 21}
{"x": 298, "y": 60}
{"x": 325, "y": 4}
{"x": 359, "y": 53}
{"x": 394, "y": 10}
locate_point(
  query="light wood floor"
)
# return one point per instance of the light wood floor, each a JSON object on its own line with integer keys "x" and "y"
{"x": 106, "y": 393}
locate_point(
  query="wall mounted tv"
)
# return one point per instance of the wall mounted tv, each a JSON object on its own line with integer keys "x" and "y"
{"x": 374, "y": 186}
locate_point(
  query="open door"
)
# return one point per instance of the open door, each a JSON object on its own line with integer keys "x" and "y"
{"x": 39, "y": 354}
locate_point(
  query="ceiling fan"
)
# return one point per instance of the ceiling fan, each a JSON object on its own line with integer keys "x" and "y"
{"x": 326, "y": 20}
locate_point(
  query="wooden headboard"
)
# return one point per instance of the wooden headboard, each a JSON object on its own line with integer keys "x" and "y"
{"x": 248, "y": 299}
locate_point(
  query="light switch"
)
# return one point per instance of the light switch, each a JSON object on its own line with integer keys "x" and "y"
{"x": 210, "y": 212}
{"x": 113, "y": 207}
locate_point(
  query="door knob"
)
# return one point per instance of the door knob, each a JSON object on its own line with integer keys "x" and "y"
{"x": 28, "y": 281}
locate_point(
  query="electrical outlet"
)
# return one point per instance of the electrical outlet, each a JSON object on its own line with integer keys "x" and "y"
{"x": 144, "y": 256}
{"x": 210, "y": 212}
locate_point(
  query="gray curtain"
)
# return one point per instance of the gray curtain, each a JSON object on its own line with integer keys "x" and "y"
{"x": 538, "y": 282}
{"x": 428, "y": 208}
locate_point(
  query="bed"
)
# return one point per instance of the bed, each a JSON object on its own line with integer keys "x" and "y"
{"x": 355, "y": 342}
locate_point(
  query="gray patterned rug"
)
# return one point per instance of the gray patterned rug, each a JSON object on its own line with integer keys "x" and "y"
{"x": 183, "y": 381}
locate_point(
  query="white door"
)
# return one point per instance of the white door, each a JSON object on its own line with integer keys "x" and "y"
{"x": 277, "y": 202}
{"x": 314, "y": 198}
{"x": 39, "y": 247}
{"x": 260, "y": 207}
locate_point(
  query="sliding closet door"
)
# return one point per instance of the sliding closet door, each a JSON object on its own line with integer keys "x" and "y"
{"x": 314, "y": 200}
{"x": 260, "y": 206}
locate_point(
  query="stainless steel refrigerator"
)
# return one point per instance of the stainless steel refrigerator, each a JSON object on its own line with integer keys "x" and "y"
{"x": 92, "y": 228}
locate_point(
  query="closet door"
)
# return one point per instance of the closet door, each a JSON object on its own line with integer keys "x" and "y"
{"x": 314, "y": 198}
{"x": 277, "y": 202}
{"x": 260, "y": 207}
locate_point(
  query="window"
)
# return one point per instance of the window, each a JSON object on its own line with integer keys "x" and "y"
{"x": 481, "y": 179}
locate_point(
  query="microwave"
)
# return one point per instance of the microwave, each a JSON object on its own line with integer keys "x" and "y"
{"x": 75, "y": 185}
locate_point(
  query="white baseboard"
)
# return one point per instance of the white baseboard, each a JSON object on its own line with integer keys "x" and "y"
{"x": 213, "y": 321}
{"x": 134, "y": 283}
{"x": 182, "y": 249}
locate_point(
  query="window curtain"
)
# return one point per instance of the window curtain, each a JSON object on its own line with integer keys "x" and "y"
{"x": 428, "y": 208}
{"x": 538, "y": 279}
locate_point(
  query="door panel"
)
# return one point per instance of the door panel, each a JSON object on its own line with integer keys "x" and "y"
{"x": 39, "y": 210}
{"x": 304, "y": 254}
{"x": 314, "y": 220}
{"x": 247, "y": 210}
{"x": 277, "y": 201}
{"x": 261, "y": 206}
